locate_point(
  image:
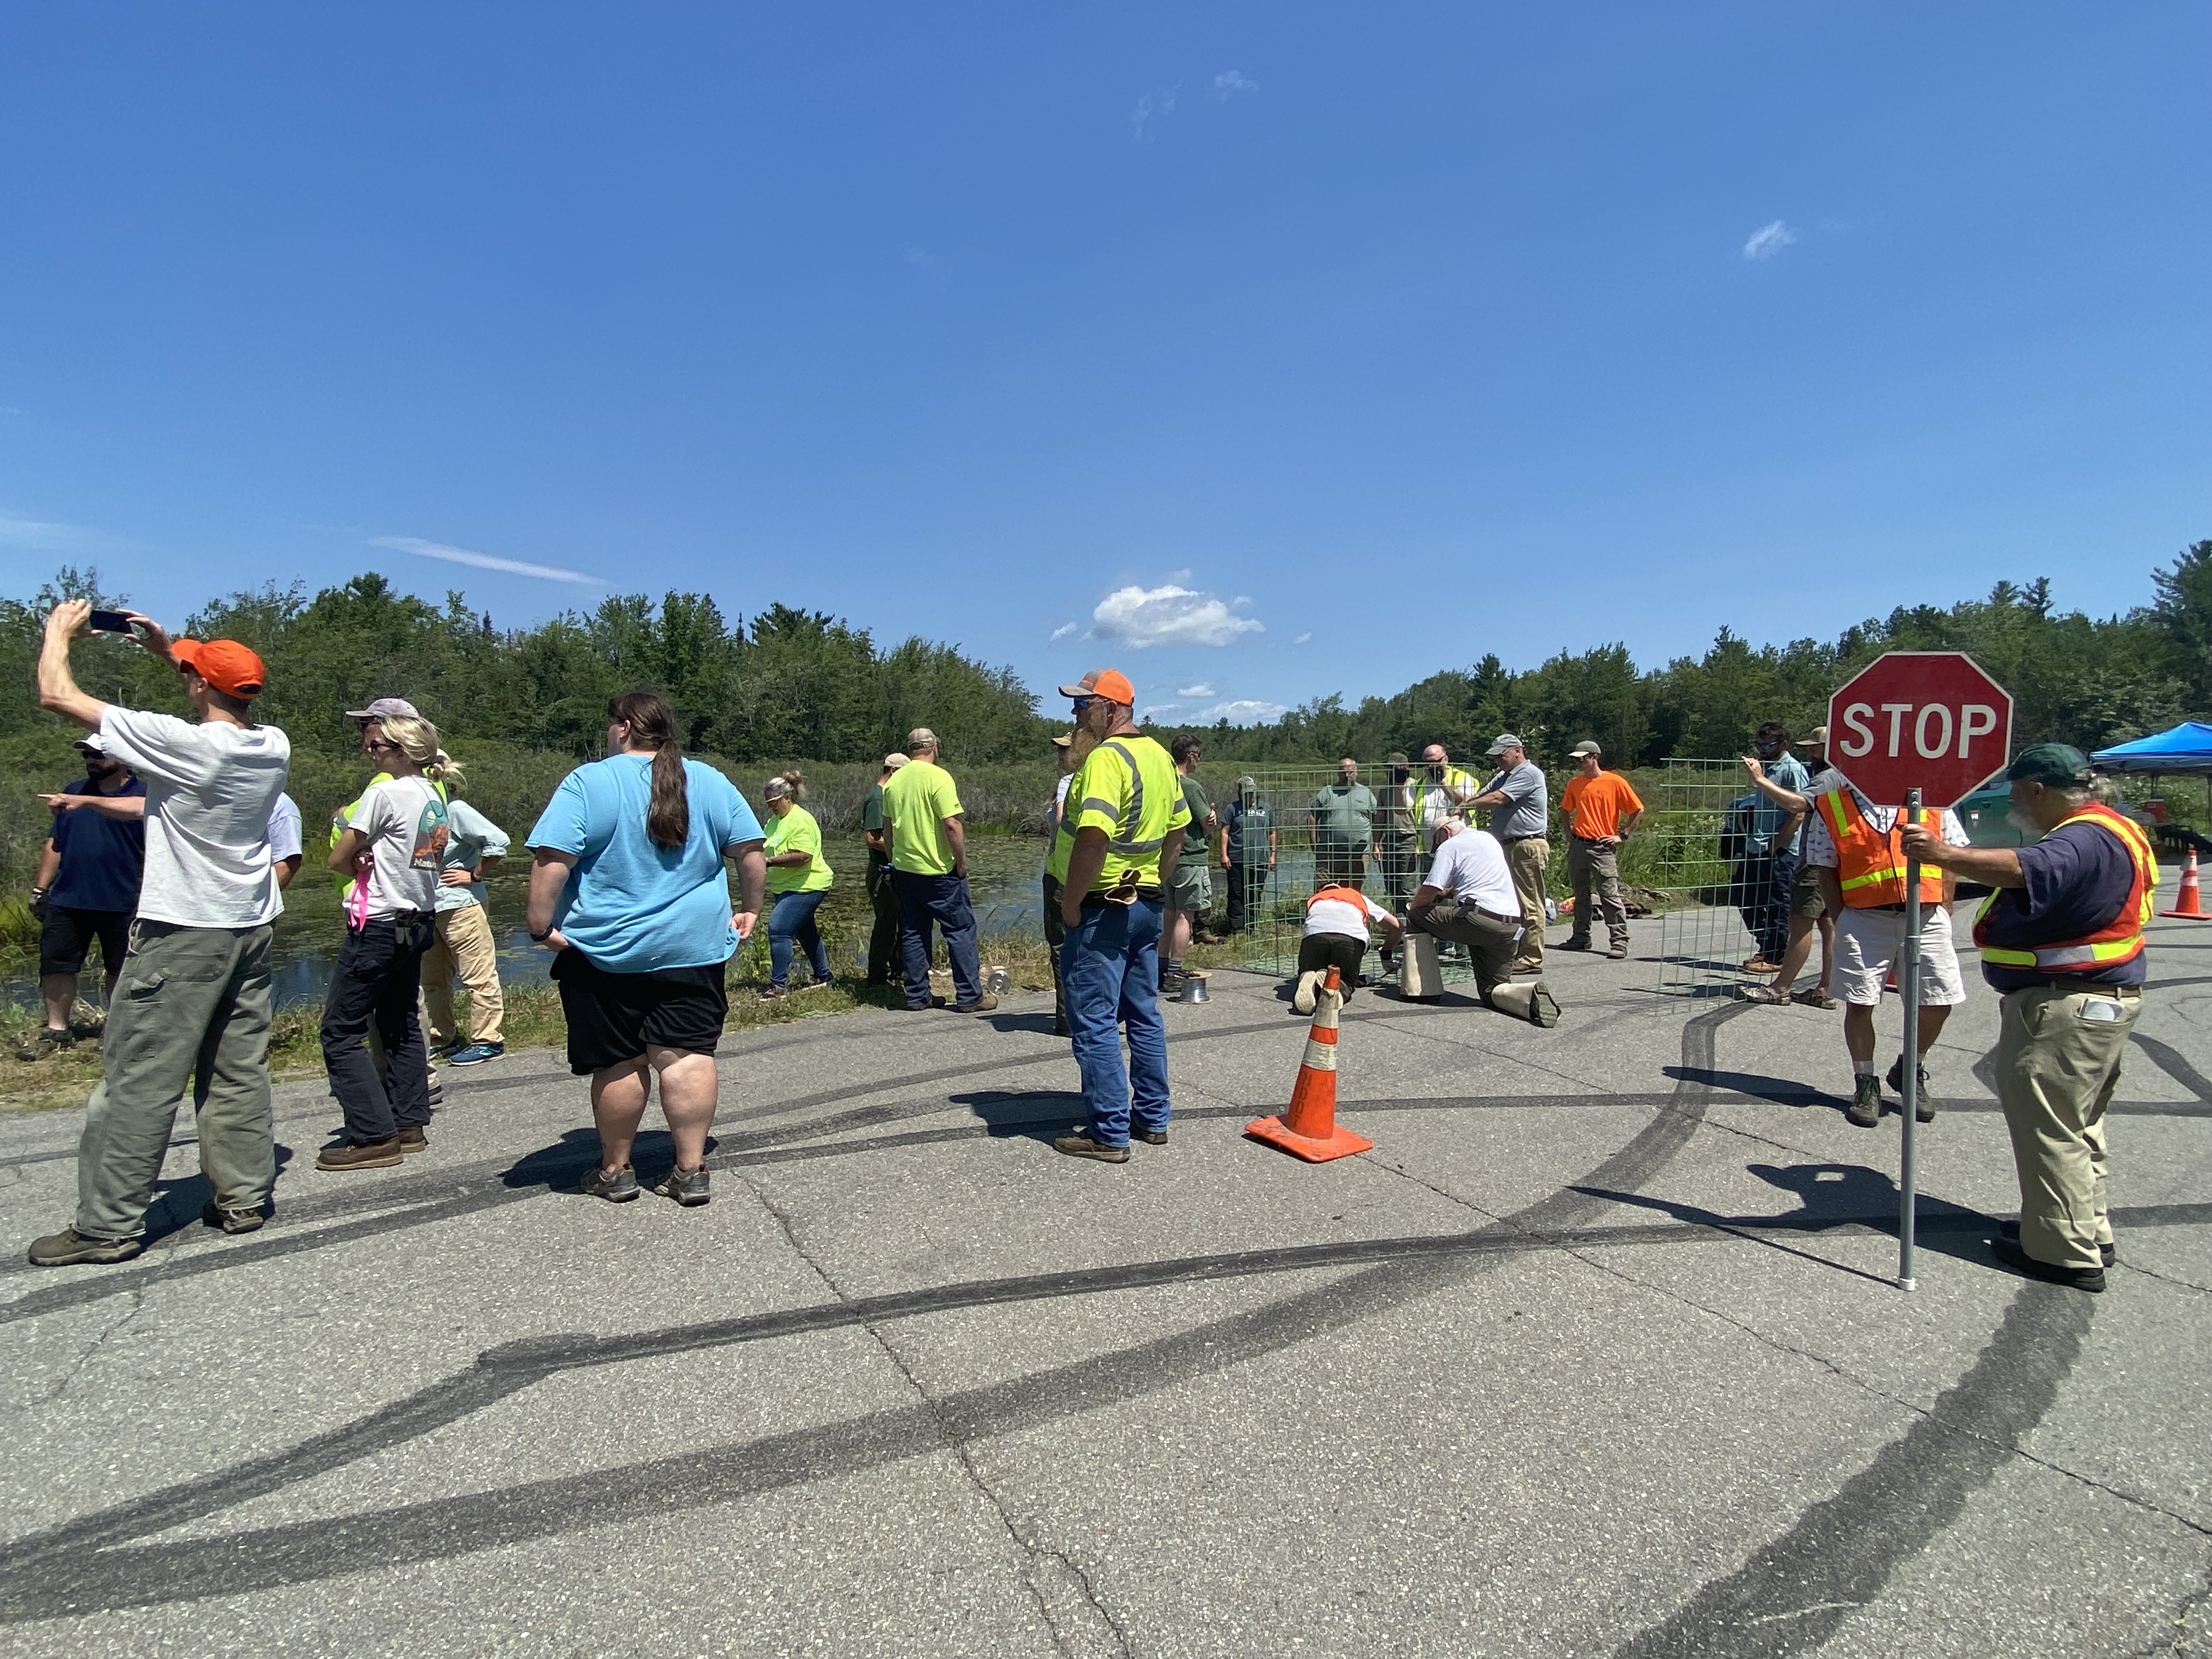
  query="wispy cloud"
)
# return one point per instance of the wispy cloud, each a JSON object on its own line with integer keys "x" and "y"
{"x": 1303, "y": 639}
{"x": 1143, "y": 616}
{"x": 47, "y": 535}
{"x": 1063, "y": 631}
{"x": 1244, "y": 711}
{"x": 1160, "y": 101}
{"x": 1193, "y": 690}
{"x": 1229, "y": 83}
{"x": 1768, "y": 240}
{"x": 421, "y": 548}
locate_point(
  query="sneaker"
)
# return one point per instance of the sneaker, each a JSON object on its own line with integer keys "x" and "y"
{"x": 231, "y": 1221}
{"x": 2007, "y": 1251}
{"x": 687, "y": 1186}
{"x": 982, "y": 1005}
{"x": 412, "y": 1138}
{"x": 1543, "y": 1007}
{"x": 69, "y": 1248}
{"x": 361, "y": 1155}
{"x": 476, "y": 1054}
{"x": 770, "y": 992}
{"x": 1080, "y": 1144}
{"x": 1149, "y": 1137}
{"x": 616, "y": 1186}
{"x": 1816, "y": 997}
{"x": 2010, "y": 1231}
{"x": 1923, "y": 1109}
{"x": 48, "y": 1041}
{"x": 1865, "y": 1110}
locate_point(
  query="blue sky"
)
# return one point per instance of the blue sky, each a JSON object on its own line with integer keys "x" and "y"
{"x": 1264, "y": 350}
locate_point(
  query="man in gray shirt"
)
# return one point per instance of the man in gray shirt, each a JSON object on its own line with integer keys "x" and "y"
{"x": 1519, "y": 800}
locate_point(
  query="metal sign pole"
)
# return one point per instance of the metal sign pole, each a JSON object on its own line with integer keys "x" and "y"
{"x": 1908, "y": 986}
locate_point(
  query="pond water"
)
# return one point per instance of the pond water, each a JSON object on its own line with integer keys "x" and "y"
{"x": 1003, "y": 873}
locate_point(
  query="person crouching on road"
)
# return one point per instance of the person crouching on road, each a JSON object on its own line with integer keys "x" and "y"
{"x": 798, "y": 879}
{"x": 191, "y": 1006}
{"x": 1337, "y": 920}
{"x": 2062, "y": 942}
{"x": 1116, "y": 852}
{"x": 628, "y": 888}
{"x": 393, "y": 846}
{"x": 461, "y": 945}
{"x": 1469, "y": 898}
{"x": 1855, "y": 845}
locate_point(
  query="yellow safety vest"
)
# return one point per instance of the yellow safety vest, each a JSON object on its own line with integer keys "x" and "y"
{"x": 1129, "y": 787}
{"x": 2119, "y": 939}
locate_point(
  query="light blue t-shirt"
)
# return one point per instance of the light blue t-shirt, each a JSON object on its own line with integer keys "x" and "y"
{"x": 629, "y": 906}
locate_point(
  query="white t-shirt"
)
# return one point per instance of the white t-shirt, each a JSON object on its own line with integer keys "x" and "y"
{"x": 1336, "y": 915}
{"x": 209, "y": 790}
{"x": 284, "y": 829}
{"x": 403, "y": 822}
{"x": 1820, "y": 846}
{"x": 1471, "y": 867}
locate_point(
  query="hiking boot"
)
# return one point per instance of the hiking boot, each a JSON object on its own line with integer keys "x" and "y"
{"x": 616, "y": 1186}
{"x": 1543, "y": 1007}
{"x": 2008, "y": 1251}
{"x": 361, "y": 1155}
{"x": 48, "y": 1041}
{"x": 69, "y": 1248}
{"x": 1080, "y": 1144}
{"x": 476, "y": 1054}
{"x": 2010, "y": 1229}
{"x": 231, "y": 1221}
{"x": 982, "y": 1005}
{"x": 1149, "y": 1137}
{"x": 1170, "y": 980}
{"x": 1572, "y": 945}
{"x": 1865, "y": 1110}
{"x": 412, "y": 1138}
{"x": 1923, "y": 1109}
{"x": 687, "y": 1186}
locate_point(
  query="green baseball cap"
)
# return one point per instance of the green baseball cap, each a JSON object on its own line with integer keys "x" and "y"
{"x": 2061, "y": 763}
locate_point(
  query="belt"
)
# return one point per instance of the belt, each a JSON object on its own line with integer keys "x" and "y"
{"x": 1511, "y": 840}
{"x": 2125, "y": 992}
{"x": 1510, "y": 922}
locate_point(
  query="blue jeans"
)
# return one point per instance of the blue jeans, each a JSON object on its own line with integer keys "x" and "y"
{"x": 792, "y": 918}
{"x": 942, "y": 900}
{"x": 1111, "y": 965}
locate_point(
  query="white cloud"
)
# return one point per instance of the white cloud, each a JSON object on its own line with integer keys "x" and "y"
{"x": 1244, "y": 711}
{"x": 1303, "y": 639}
{"x": 1194, "y": 691}
{"x": 1160, "y": 101}
{"x": 421, "y": 548}
{"x": 1063, "y": 631}
{"x": 1229, "y": 83}
{"x": 1768, "y": 240}
{"x": 1167, "y": 615}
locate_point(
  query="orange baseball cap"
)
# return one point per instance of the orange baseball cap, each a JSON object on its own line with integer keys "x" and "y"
{"x": 226, "y": 665}
{"x": 1111, "y": 683}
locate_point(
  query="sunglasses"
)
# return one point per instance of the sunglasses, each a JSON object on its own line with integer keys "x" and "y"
{"x": 1080, "y": 703}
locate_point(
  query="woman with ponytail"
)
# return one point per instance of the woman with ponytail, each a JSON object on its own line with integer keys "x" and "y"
{"x": 629, "y": 888}
{"x": 798, "y": 878}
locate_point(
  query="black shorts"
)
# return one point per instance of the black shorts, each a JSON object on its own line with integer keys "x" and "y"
{"x": 66, "y": 940}
{"x": 614, "y": 1018}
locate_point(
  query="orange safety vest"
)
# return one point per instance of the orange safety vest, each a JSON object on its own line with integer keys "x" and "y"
{"x": 1351, "y": 895}
{"x": 2119, "y": 939}
{"x": 1871, "y": 865}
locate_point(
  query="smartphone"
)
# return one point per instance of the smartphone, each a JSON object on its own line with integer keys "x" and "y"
{"x": 111, "y": 621}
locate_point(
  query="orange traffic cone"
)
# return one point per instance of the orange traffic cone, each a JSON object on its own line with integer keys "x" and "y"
{"x": 2186, "y": 906}
{"x": 1308, "y": 1129}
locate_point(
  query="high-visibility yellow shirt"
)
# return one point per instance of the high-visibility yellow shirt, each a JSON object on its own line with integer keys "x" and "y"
{"x": 917, "y": 801}
{"x": 1129, "y": 787}
{"x": 796, "y": 831}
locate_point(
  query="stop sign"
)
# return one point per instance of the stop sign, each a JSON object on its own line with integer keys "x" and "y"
{"x": 1930, "y": 721}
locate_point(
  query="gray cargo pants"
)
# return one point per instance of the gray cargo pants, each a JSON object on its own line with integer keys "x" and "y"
{"x": 1595, "y": 865}
{"x": 191, "y": 1009}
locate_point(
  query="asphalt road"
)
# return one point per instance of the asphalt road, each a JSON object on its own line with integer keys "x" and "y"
{"x": 1597, "y": 1353}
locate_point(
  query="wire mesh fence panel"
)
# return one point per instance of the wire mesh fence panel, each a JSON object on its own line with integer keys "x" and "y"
{"x": 1704, "y": 937}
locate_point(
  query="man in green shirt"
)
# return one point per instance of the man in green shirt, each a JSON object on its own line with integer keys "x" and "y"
{"x": 1343, "y": 824}
{"x": 1191, "y": 893}
{"x": 883, "y": 892}
{"x": 929, "y": 864}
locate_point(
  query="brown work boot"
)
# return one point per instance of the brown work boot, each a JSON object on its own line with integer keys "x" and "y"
{"x": 69, "y": 1248}
{"x": 982, "y": 1005}
{"x": 412, "y": 1138}
{"x": 1080, "y": 1144}
{"x": 361, "y": 1155}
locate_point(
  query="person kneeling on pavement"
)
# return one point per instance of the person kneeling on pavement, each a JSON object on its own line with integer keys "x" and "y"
{"x": 1470, "y": 897}
{"x": 1337, "y": 919}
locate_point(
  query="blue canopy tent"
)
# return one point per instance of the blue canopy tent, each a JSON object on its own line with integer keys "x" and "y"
{"x": 2185, "y": 750}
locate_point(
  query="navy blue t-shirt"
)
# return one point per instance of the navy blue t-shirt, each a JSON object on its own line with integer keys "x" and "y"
{"x": 102, "y": 858}
{"x": 2078, "y": 877}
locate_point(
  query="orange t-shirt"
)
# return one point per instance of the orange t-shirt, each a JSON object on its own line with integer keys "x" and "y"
{"x": 1594, "y": 807}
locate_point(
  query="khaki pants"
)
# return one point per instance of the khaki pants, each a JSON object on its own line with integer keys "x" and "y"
{"x": 461, "y": 944}
{"x": 1594, "y": 865}
{"x": 190, "y": 1009}
{"x": 1489, "y": 942}
{"x": 1526, "y": 860}
{"x": 2056, "y": 1072}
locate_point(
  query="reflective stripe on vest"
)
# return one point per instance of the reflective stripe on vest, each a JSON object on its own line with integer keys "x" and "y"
{"x": 1869, "y": 864}
{"x": 1133, "y": 816}
{"x": 2119, "y": 939}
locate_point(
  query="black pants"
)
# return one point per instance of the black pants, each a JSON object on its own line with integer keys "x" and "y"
{"x": 1319, "y": 952}
{"x": 884, "y": 932}
{"x": 1762, "y": 901}
{"x": 1248, "y": 890}
{"x": 378, "y": 978}
{"x": 1056, "y": 932}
